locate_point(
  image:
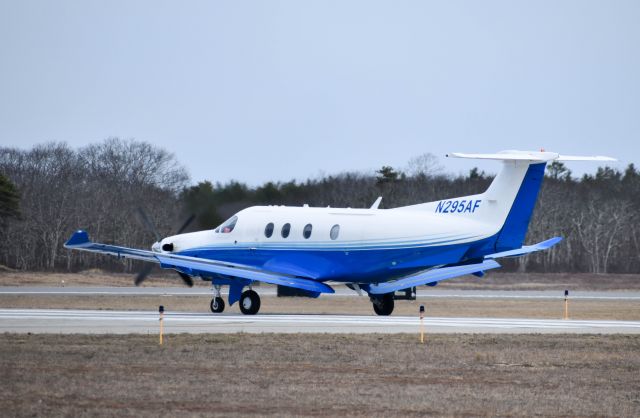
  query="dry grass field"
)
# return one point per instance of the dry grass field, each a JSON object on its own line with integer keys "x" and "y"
{"x": 458, "y": 307}
{"x": 320, "y": 375}
{"x": 493, "y": 280}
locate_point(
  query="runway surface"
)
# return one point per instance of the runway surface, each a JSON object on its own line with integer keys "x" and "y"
{"x": 146, "y": 322}
{"x": 340, "y": 292}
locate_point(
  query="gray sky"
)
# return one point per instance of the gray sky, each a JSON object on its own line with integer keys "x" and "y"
{"x": 266, "y": 90}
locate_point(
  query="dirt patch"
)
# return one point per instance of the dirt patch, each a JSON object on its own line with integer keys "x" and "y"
{"x": 320, "y": 375}
{"x": 93, "y": 277}
{"x": 458, "y": 307}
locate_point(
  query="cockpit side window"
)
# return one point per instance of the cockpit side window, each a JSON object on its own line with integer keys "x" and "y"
{"x": 228, "y": 226}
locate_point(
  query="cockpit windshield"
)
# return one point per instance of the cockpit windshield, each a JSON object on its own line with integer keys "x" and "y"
{"x": 227, "y": 226}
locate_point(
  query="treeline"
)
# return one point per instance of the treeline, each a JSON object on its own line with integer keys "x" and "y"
{"x": 99, "y": 187}
{"x": 96, "y": 188}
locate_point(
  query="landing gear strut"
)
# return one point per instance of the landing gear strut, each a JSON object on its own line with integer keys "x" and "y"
{"x": 383, "y": 304}
{"x": 249, "y": 302}
{"x": 217, "y": 303}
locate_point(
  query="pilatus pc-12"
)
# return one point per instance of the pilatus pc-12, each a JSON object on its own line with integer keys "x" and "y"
{"x": 377, "y": 251}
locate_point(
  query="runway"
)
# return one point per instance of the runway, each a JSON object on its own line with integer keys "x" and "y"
{"x": 146, "y": 322}
{"x": 340, "y": 292}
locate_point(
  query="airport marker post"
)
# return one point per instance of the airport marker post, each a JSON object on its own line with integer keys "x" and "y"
{"x": 161, "y": 310}
{"x": 566, "y": 304}
{"x": 422, "y": 324}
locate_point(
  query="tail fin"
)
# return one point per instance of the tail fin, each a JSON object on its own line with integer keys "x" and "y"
{"x": 509, "y": 201}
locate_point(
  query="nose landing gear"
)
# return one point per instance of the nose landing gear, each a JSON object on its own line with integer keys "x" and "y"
{"x": 217, "y": 303}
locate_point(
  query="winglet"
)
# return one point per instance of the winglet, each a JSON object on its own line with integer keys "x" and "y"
{"x": 376, "y": 204}
{"x": 78, "y": 239}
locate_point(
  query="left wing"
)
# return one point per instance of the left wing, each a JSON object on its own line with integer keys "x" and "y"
{"x": 431, "y": 276}
{"x": 196, "y": 266}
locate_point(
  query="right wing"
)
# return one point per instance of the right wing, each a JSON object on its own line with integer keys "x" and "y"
{"x": 197, "y": 266}
{"x": 431, "y": 276}
{"x": 526, "y": 249}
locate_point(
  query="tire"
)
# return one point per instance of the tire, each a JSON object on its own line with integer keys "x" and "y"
{"x": 249, "y": 302}
{"x": 384, "y": 305}
{"x": 217, "y": 305}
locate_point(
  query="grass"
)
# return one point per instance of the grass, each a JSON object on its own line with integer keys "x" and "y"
{"x": 320, "y": 375}
{"x": 459, "y": 307}
{"x": 493, "y": 280}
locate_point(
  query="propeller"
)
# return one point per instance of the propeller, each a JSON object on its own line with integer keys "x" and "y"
{"x": 146, "y": 269}
{"x": 147, "y": 222}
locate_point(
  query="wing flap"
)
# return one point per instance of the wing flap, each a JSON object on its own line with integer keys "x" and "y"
{"x": 432, "y": 276}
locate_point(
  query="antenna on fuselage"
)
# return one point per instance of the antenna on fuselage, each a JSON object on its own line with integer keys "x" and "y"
{"x": 376, "y": 204}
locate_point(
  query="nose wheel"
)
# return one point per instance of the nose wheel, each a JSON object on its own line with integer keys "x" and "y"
{"x": 249, "y": 302}
{"x": 217, "y": 304}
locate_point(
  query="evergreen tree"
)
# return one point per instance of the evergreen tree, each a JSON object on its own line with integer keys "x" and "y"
{"x": 9, "y": 200}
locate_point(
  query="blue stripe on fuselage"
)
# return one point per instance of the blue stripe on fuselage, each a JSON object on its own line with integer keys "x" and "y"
{"x": 350, "y": 265}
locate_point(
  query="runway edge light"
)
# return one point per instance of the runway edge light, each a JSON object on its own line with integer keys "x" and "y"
{"x": 161, "y": 311}
{"x": 422, "y": 324}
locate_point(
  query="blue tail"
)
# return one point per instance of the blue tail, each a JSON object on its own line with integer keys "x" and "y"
{"x": 515, "y": 227}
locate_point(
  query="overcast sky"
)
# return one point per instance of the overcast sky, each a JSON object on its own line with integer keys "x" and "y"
{"x": 266, "y": 90}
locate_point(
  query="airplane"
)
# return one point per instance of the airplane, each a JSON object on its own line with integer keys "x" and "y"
{"x": 375, "y": 251}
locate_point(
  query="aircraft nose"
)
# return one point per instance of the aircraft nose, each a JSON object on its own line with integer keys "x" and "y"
{"x": 155, "y": 247}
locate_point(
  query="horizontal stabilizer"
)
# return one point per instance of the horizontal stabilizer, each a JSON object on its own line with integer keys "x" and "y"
{"x": 527, "y": 249}
{"x": 585, "y": 158}
{"x": 431, "y": 276}
{"x": 532, "y": 156}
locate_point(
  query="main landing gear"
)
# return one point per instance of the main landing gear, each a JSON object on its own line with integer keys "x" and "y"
{"x": 249, "y": 301}
{"x": 383, "y": 304}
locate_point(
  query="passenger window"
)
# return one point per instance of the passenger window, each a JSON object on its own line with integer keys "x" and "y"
{"x": 335, "y": 231}
{"x": 268, "y": 230}
{"x": 228, "y": 226}
{"x": 286, "y": 228}
{"x": 306, "y": 232}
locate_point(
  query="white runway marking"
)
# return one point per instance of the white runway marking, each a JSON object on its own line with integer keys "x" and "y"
{"x": 93, "y": 321}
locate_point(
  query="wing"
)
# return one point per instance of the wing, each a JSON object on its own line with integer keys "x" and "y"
{"x": 432, "y": 276}
{"x": 443, "y": 273}
{"x": 196, "y": 266}
{"x": 527, "y": 249}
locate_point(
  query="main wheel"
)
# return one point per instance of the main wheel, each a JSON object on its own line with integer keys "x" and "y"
{"x": 384, "y": 304}
{"x": 249, "y": 302}
{"x": 217, "y": 305}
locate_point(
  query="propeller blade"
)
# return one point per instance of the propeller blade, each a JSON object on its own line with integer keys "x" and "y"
{"x": 142, "y": 275}
{"x": 147, "y": 222}
{"x": 187, "y": 279}
{"x": 186, "y": 224}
